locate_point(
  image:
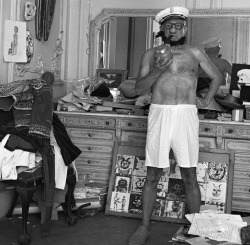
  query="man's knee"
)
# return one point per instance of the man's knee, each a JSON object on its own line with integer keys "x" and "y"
{"x": 153, "y": 175}
{"x": 189, "y": 176}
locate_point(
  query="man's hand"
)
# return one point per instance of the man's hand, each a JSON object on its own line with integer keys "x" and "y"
{"x": 202, "y": 103}
{"x": 162, "y": 64}
{"x": 163, "y": 57}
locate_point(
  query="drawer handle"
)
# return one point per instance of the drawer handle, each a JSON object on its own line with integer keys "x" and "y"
{"x": 129, "y": 124}
{"x": 230, "y": 131}
{"x": 89, "y": 161}
{"x": 90, "y": 135}
{"x": 89, "y": 148}
{"x": 207, "y": 129}
{"x": 107, "y": 122}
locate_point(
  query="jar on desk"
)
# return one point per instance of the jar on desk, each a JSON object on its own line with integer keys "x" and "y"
{"x": 116, "y": 94}
{"x": 237, "y": 115}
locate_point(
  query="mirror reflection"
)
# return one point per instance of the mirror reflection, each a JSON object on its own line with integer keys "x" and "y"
{"x": 123, "y": 40}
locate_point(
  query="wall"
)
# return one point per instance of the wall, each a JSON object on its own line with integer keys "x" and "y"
{"x": 43, "y": 48}
{"x": 202, "y": 29}
{"x": 14, "y": 10}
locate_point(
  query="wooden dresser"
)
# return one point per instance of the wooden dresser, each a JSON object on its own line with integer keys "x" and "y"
{"x": 96, "y": 133}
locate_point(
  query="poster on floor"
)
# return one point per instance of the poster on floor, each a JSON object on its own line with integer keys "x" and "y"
{"x": 214, "y": 176}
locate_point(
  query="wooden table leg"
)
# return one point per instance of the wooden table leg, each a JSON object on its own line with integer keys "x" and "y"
{"x": 13, "y": 204}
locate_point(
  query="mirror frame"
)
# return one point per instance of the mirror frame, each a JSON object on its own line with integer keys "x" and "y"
{"x": 107, "y": 14}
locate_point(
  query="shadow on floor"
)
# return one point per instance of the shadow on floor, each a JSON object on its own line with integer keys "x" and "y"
{"x": 99, "y": 229}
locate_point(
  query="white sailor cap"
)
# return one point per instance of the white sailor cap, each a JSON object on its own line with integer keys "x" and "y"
{"x": 212, "y": 42}
{"x": 168, "y": 13}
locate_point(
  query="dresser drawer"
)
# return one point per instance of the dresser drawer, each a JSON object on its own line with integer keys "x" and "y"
{"x": 98, "y": 175}
{"x": 236, "y": 131}
{"x": 95, "y": 149}
{"x": 133, "y": 125}
{"x": 86, "y": 121}
{"x": 207, "y": 142}
{"x": 83, "y": 135}
{"x": 240, "y": 145}
{"x": 94, "y": 162}
{"x": 133, "y": 136}
{"x": 207, "y": 129}
{"x": 241, "y": 206}
{"x": 241, "y": 180}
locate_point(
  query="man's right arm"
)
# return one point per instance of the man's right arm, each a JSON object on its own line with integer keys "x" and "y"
{"x": 145, "y": 78}
{"x": 150, "y": 70}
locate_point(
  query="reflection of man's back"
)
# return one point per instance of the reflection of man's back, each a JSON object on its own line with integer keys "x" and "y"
{"x": 223, "y": 66}
{"x": 212, "y": 48}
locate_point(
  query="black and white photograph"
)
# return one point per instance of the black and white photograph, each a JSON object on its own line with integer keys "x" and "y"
{"x": 113, "y": 78}
{"x": 124, "y": 122}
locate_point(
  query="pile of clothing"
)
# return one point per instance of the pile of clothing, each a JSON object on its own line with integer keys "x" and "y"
{"x": 29, "y": 128}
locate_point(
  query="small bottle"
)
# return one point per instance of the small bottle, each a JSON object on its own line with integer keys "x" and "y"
{"x": 115, "y": 93}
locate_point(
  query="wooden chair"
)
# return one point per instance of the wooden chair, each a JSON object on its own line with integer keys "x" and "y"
{"x": 26, "y": 185}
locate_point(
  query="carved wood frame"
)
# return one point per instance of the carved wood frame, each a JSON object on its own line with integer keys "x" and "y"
{"x": 106, "y": 15}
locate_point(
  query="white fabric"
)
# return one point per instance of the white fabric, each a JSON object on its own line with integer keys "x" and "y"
{"x": 212, "y": 42}
{"x": 176, "y": 127}
{"x": 73, "y": 164}
{"x": 10, "y": 160}
{"x": 60, "y": 167}
{"x": 3, "y": 152}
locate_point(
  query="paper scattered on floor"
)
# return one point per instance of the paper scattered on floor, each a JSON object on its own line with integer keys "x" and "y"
{"x": 219, "y": 227}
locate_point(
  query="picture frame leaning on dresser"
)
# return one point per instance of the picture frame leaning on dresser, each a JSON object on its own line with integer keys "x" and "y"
{"x": 114, "y": 76}
{"x": 214, "y": 173}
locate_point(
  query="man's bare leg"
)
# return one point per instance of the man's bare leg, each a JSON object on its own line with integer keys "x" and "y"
{"x": 148, "y": 200}
{"x": 192, "y": 189}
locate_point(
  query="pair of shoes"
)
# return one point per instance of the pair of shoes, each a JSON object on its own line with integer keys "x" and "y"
{"x": 140, "y": 236}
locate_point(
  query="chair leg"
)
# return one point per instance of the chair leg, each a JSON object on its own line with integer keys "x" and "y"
{"x": 25, "y": 194}
{"x": 71, "y": 182}
{"x": 46, "y": 223}
{"x": 13, "y": 204}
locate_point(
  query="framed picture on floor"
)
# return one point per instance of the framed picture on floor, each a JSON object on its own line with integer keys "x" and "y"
{"x": 114, "y": 77}
{"x": 214, "y": 173}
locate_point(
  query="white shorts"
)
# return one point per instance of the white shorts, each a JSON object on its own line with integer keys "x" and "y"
{"x": 176, "y": 127}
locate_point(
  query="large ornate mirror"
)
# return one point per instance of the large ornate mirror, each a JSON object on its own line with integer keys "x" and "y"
{"x": 118, "y": 37}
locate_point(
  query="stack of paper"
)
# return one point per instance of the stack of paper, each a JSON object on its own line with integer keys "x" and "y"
{"x": 216, "y": 226}
{"x": 93, "y": 193}
{"x": 96, "y": 189}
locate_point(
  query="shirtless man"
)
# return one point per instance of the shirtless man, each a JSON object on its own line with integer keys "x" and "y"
{"x": 212, "y": 48}
{"x": 172, "y": 121}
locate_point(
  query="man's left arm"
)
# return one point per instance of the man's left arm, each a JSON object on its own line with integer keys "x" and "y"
{"x": 216, "y": 79}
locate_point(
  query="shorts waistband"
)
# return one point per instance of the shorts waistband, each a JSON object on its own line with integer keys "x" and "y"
{"x": 174, "y": 106}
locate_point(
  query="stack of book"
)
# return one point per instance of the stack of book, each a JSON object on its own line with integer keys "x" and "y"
{"x": 224, "y": 117}
{"x": 92, "y": 193}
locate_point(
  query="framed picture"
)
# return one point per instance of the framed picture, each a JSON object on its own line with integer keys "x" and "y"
{"x": 244, "y": 78}
{"x": 114, "y": 77}
{"x": 215, "y": 176}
